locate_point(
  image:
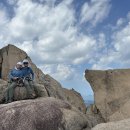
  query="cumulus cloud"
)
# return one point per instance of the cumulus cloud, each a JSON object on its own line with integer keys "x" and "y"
{"x": 48, "y": 33}
{"x": 3, "y": 25}
{"x": 120, "y": 21}
{"x": 64, "y": 72}
{"x": 121, "y": 41}
{"x": 60, "y": 71}
{"x": 95, "y": 11}
{"x": 118, "y": 55}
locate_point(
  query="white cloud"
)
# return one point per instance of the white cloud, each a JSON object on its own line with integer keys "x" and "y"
{"x": 103, "y": 63}
{"x": 95, "y": 11}
{"x": 51, "y": 32}
{"x": 64, "y": 72}
{"x": 119, "y": 53}
{"x": 120, "y": 21}
{"x": 27, "y": 46}
{"x": 3, "y": 26}
{"x": 121, "y": 42}
{"x": 60, "y": 71}
{"x": 2, "y": 16}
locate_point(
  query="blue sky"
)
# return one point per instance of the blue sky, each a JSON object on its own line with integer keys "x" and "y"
{"x": 65, "y": 37}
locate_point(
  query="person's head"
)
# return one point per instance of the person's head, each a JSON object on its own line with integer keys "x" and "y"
{"x": 25, "y": 63}
{"x": 19, "y": 65}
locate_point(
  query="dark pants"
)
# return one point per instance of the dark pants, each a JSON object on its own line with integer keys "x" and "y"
{"x": 30, "y": 87}
{"x": 11, "y": 86}
{"x": 10, "y": 91}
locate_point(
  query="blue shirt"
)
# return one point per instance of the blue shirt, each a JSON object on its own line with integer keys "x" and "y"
{"x": 15, "y": 73}
{"x": 27, "y": 71}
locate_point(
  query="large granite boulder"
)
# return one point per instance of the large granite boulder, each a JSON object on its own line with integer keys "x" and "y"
{"x": 111, "y": 92}
{"x": 20, "y": 93}
{"x": 53, "y": 87}
{"x": 118, "y": 125}
{"x": 41, "y": 114}
{"x": 3, "y": 88}
{"x": 75, "y": 99}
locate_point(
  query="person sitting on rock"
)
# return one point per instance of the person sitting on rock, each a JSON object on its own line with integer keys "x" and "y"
{"x": 28, "y": 79}
{"x": 13, "y": 77}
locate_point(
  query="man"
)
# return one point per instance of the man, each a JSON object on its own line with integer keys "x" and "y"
{"x": 28, "y": 78}
{"x": 13, "y": 77}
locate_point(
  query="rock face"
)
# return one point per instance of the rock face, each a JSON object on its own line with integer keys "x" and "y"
{"x": 20, "y": 93}
{"x": 3, "y": 87}
{"x": 119, "y": 125}
{"x": 111, "y": 92}
{"x": 94, "y": 116}
{"x": 75, "y": 99}
{"x": 47, "y": 86}
{"x": 41, "y": 114}
{"x": 54, "y": 89}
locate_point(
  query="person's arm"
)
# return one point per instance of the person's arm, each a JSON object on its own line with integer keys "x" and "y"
{"x": 11, "y": 75}
{"x": 31, "y": 71}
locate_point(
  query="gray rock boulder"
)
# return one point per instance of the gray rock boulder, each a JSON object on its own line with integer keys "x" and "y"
{"x": 94, "y": 116}
{"x": 53, "y": 87}
{"x": 20, "y": 93}
{"x": 3, "y": 88}
{"x": 118, "y": 125}
{"x": 41, "y": 114}
{"x": 111, "y": 92}
{"x": 75, "y": 99}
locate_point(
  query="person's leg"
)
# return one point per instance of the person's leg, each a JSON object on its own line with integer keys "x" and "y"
{"x": 7, "y": 93}
{"x": 33, "y": 86}
{"x": 11, "y": 91}
{"x": 31, "y": 83}
{"x": 27, "y": 85}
